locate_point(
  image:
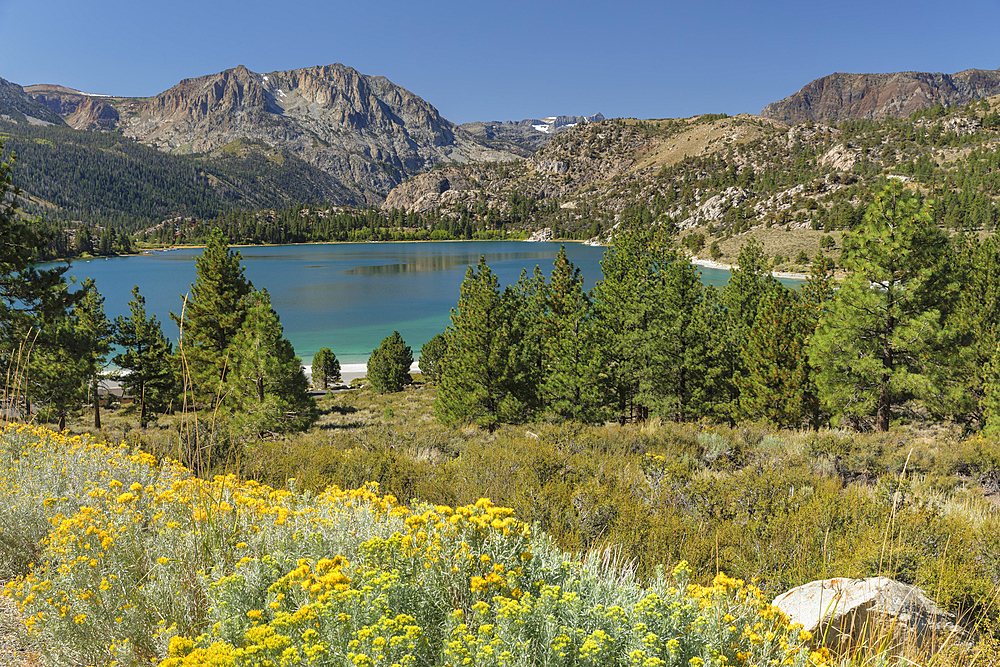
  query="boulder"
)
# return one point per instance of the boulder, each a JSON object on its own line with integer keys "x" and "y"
{"x": 845, "y": 613}
{"x": 541, "y": 235}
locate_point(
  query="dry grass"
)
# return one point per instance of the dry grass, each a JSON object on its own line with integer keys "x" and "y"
{"x": 702, "y": 139}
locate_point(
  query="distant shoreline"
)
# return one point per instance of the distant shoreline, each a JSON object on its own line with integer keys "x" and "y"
{"x": 709, "y": 264}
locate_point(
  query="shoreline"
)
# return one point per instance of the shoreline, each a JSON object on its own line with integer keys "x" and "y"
{"x": 709, "y": 264}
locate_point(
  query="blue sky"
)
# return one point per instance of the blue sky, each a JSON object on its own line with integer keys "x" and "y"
{"x": 503, "y": 61}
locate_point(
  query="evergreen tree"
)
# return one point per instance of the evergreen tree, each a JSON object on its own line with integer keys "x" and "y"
{"x": 749, "y": 283}
{"x": 29, "y": 298}
{"x": 95, "y": 333}
{"x": 628, "y": 303}
{"x": 210, "y": 319}
{"x": 325, "y": 368}
{"x": 776, "y": 380}
{"x": 977, "y": 323}
{"x": 525, "y": 305}
{"x": 145, "y": 358}
{"x": 389, "y": 365}
{"x": 60, "y": 366}
{"x": 266, "y": 389}
{"x": 681, "y": 346}
{"x": 475, "y": 372}
{"x": 880, "y": 339}
{"x": 431, "y": 356}
{"x": 569, "y": 385}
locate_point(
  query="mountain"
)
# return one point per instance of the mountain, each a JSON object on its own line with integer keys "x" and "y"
{"x": 718, "y": 181}
{"x": 366, "y": 132}
{"x": 526, "y": 136}
{"x": 840, "y": 97}
{"x": 16, "y": 106}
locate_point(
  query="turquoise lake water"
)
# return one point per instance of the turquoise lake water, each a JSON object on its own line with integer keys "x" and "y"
{"x": 348, "y": 296}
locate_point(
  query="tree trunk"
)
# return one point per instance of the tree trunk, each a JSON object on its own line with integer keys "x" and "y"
{"x": 884, "y": 415}
{"x": 97, "y": 407}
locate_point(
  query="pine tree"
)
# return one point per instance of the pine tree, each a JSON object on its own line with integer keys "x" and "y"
{"x": 325, "y": 368}
{"x": 748, "y": 285}
{"x": 475, "y": 373}
{"x": 776, "y": 380}
{"x": 145, "y": 358}
{"x": 389, "y": 365}
{"x": 881, "y": 338}
{"x": 977, "y": 323}
{"x": 525, "y": 305}
{"x": 95, "y": 332}
{"x": 680, "y": 345}
{"x": 431, "y": 355}
{"x": 569, "y": 386}
{"x": 30, "y": 299}
{"x": 210, "y": 319}
{"x": 628, "y": 303}
{"x": 266, "y": 389}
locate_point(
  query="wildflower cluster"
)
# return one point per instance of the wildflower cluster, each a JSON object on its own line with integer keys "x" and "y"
{"x": 143, "y": 563}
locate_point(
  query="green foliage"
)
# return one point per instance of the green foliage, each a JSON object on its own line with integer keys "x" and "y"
{"x": 776, "y": 380}
{"x": 265, "y": 388}
{"x": 325, "y": 368}
{"x": 627, "y": 302}
{"x": 211, "y": 316}
{"x": 476, "y": 373}
{"x": 569, "y": 385}
{"x": 389, "y": 365}
{"x": 145, "y": 358}
{"x": 95, "y": 332}
{"x": 881, "y": 341}
{"x": 432, "y": 355}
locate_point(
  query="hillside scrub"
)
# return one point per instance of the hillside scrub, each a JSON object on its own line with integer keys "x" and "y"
{"x": 783, "y": 506}
{"x": 122, "y": 560}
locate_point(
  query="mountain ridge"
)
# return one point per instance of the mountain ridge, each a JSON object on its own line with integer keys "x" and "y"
{"x": 852, "y": 96}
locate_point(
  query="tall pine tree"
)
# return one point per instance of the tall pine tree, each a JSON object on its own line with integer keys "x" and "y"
{"x": 569, "y": 385}
{"x": 475, "y": 372}
{"x": 211, "y": 317}
{"x": 881, "y": 341}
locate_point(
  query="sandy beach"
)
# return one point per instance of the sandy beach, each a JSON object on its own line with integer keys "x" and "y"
{"x": 709, "y": 264}
{"x": 350, "y": 372}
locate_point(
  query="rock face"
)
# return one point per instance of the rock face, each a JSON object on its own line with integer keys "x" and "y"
{"x": 526, "y": 136}
{"x": 365, "y": 131}
{"x": 540, "y": 236}
{"x": 843, "y": 613}
{"x": 839, "y": 97}
{"x": 18, "y": 107}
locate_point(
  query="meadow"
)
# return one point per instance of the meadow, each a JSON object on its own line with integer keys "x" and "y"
{"x": 204, "y": 567}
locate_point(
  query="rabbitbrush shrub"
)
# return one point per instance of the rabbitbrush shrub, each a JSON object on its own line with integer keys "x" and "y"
{"x": 141, "y": 563}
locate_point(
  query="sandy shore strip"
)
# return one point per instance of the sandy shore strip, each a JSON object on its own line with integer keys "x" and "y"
{"x": 350, "y": 372}
{"x": 709, "y": 264}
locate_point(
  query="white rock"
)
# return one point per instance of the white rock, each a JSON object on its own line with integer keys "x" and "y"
{"x": 844, "y": 613}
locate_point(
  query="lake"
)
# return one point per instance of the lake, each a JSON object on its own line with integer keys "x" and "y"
{"x": 346, "y": 296}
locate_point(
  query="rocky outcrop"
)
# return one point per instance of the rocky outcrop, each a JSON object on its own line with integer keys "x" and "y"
{"x": 526, "y": 136}
{"x": 715, "y": 207}
{"x": 845, "y": 613}
{"x": 541, "y": 235}
{"x": 366, "y": 131}
{"x": 840, "y": 97}
{"x": 422, "y": 193}
{"x": 18, "y": 107}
